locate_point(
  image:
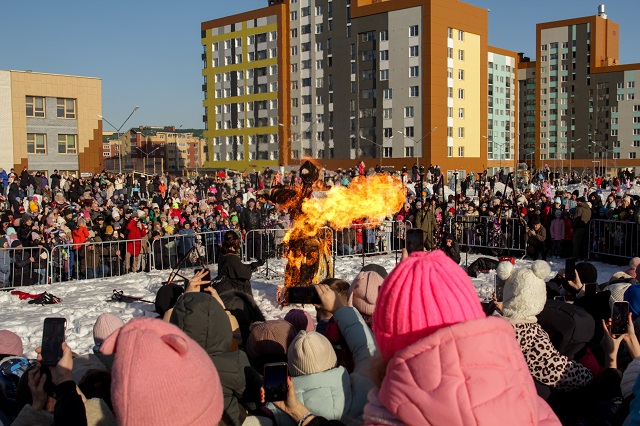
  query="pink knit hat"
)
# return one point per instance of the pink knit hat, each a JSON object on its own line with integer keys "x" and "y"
{"x": 10, "y": 343}
{"x": 634, "y": 264}
{"x": 105, "y": 325}
{"x": 300, "y": 320}
{"x": 363, "y": 292}
{"x": 425, "y": 292}
{"x": 161, "y": 376}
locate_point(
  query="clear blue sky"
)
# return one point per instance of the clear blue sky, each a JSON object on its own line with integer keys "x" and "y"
{"x": 147, "y": 52}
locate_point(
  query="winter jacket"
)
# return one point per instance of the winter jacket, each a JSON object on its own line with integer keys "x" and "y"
{"x": 237, "y": 272}
{"x": 557, "y": 230}
{"x": 426, "y": 220}
{"x": 545, "y": 362}
{"x": 134, "y": 233}
{"x": 335, "y": 394}
{"x": 80, "y": 236}
{"x": 186, "y": 240}
{"x": 470, "y": 373}
{"x": 250, "y": 219}
{"x": 203, "y": 319}
{"x": 539, "y": 238}
{"x": 581, "y": 215}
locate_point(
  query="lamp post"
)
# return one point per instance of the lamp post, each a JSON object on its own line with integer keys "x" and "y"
{"x": 147, "y": 154}
{"x": 416, "y": 142}
{"x": 117, "y": 129}
{"x": 378, "y": 145}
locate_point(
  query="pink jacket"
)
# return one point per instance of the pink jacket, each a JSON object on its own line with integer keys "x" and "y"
{"x": 557, "y": 229}
{"x": 471, "y": 373}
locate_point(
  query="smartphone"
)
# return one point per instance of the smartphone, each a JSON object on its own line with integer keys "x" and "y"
{"x": 303, "y": 295}
{"x": 570, "y": 269}
{"x": 590, "y": 289}
{"x": 499, "y": 289}
{"x": 207, "y": 277}
{"x": 619, "y": 318}
{"x": 53, "y": 334}
{"x": 275, "y": 381}
{"x": 415, "y": 240}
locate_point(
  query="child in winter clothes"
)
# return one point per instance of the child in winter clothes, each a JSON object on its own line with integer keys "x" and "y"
{"x": 525, "y": 295}
{"x": 557, "y": 234}
{"x": 443, "y": 361}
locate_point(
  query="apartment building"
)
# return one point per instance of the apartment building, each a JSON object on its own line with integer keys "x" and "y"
{"x": 587, "y": 113}
{"x": 384, "y": 82}
{"x": 50, "y": 121}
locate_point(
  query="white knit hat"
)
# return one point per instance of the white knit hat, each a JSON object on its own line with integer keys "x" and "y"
{"x": 617, "y": 292}
{"x": 309, "y": 353}
{"x": 525, "y": 291}
{"x": 105, "y": 325}
{"x": 629, "y": 377}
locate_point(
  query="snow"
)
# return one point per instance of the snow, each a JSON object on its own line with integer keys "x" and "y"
{"x": 83, "y": 301}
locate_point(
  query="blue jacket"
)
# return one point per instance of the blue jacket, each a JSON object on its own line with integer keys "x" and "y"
{"x": 5, "y": 178}
{"x": 335, "y": 394}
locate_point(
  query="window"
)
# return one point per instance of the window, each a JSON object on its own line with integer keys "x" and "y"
{"x": 414, "y": 51}
{"x": 67, "y": 144}
{"x": 460, "y": 112}
{"x": 66, "y": 108}
{"x": 408, "y": 151}
{"x": 461, "y": 35}
{"x": 387, "y": 113}
{"x": 35, "y": 106}
{"x": 461, "y": 55}
{"x": 384, "y": 55}
{"x": 460, "y": 74}
{"x": 449, "y": 32}
{"x": 414, "y": 91}
{"x": 318, "y": 28}
{"x": 449, "y": 151}
{"x": 384, "y": 74}
{"x": 461, "y": 151}
{"x": 388, "y": 93}
{"x": 631, "y": 84}
{"x": 294, "y": 50}
{"x": 461, "y": 132}
{"x": 460, "y": 93}
{"x": 414, "y": 71}
{"x": 388, "y": 132}
{"x": 413, "y": 31}
{"x": 408, "y": 131}
{"x": 632, "y": 155}
{"x": 408, "y": 112}
{"x": 384, "y": 35}
{"x": 388, "y": 152}
{"x": 450, "y": 52}
{"x": 36, "y": 143}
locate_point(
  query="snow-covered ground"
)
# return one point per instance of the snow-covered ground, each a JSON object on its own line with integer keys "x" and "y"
{"x": 84, "y": 301}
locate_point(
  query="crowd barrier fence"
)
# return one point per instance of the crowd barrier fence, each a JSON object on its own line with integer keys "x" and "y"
{"x": 23, "y": 266}
{"x": 613, "y": 239}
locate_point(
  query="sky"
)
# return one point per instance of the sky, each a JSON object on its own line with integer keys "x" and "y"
{"x": 147, "y": 52}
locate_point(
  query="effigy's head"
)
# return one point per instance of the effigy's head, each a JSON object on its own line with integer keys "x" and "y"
{"x": 309, "y": 173}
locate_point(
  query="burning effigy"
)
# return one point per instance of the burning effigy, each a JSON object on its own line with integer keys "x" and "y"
{"x": 308, "y": 242}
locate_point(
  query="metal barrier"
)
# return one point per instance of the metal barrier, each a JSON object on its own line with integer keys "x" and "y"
{"x": 263, "y": 244}
{"x": 23, "y": 266}
{"x": 103, "y": 259}
{"x": 168, "y": 250}
{"x": 370, "y": 239}
{"x": 488, "y": 233}
{"x": 613, "y": 238}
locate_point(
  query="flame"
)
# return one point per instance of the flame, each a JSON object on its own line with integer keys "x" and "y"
{"x": 372, "y": 197}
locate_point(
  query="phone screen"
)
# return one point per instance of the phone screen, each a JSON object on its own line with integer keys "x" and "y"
{"x": 303, "y": 295}
{"x": 52, "y": 337}
{"x": 619, "y": 315}
{"x": 559, "y": 298}
{"x": 570, "y": 269}
{"x": 415, "y": 240}
{"x": 275, "y": 381}
{"x": 590, "y": 289}
{"x": 499, "y": 284}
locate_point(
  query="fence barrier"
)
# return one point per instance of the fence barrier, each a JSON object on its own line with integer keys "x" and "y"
{"x": 613, "y": 239}
{"x": 488, "y": 234}
{"x": 23, "y": 266}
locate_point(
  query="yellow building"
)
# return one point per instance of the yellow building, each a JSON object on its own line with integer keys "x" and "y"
{"x": 50, "y": 121}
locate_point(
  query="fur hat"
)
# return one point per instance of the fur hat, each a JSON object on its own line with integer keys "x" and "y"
{"x": 525, "y": 291}
{"x": 146, "y": 346}
{"x": 10, "y": 343}
{"x": 105, "y": 325}
{"x": 425, "y": 292}
{"x": 300, "y": 320}
{"x": 309, "y": 353}
{"x": 363, "y": 293}
{"x": 617, "y": 292}
{"x": 269, "y": 338}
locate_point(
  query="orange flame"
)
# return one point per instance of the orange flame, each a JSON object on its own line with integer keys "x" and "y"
{"x": 372, "y": 197}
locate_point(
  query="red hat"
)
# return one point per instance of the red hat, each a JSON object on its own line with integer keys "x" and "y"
{"x": 524, "y": 210}
{"x": 189, "y": 380}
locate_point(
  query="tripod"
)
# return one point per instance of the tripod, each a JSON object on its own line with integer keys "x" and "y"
{"x": 180, "y": 265}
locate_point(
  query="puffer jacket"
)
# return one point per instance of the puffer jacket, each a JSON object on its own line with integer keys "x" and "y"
{"x": 335, "y": 394}
{"x": 203, "y": 319}
{"x": 470, "y": 373}
{"x": 581, "y": 215}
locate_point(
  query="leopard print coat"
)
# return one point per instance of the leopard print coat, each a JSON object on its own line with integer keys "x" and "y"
{"x": 546, "y": 364}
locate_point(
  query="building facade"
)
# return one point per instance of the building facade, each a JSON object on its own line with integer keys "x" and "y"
{"x": 50, "y": 121}
{"x": 587, "y": 113}
{"x": 384, "y": 82}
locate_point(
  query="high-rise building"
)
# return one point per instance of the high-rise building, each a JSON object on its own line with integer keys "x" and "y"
{"x": 386, "y": 82}
{"x": 587, "y": 115}
{"x": 50, "y": 121}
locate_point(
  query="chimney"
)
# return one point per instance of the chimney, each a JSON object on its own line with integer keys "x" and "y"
{"x": 601, "y": 12}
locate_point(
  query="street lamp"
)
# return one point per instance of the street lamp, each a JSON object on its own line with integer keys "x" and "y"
{"x": 416, "y": 142}
{"x": 379, "y": 145}
{"x": 117, "y": 129}
{"x": 146, "y": 164}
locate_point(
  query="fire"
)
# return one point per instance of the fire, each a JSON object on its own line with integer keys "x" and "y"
{"x": 372, "y": 197}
